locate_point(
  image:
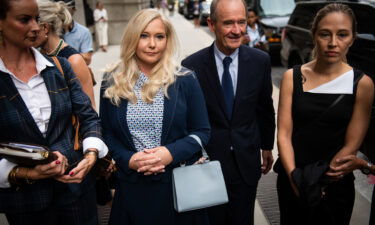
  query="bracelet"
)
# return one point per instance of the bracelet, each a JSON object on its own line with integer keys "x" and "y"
{"x": 92, "y": 152}
{"x": 28, "y": 181}
{"x": 13, "y": 176}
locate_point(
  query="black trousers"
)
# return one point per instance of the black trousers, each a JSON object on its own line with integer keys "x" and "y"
{"x": 240, "y": 208}
{"x": 335, "y": 209}
{"x": 83, "y": 211}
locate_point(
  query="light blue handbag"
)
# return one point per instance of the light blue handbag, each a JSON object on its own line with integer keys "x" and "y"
{"x": 200, "y": 185}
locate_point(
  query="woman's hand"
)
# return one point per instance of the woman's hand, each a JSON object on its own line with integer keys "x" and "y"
{"x": 163, "y": 153}
{"x": 292, "y": 183}
{"x": 151, "y": 161}
{"x": 143, "y": 160}
{"x": 294, "y": 188}
{"x": 344, "y": 165}
{"x": 165, "y": 156}
{"x": 55, "y": 168}
{"x": 77, "y": 174}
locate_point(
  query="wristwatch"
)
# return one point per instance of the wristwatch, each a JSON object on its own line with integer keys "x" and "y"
{"x": 367, "y": 169}
{"x": 92, "y": 152}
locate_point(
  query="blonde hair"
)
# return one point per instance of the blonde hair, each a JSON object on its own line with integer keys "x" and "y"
{"x": 56, "y": 14}
{"x": 163, "y": 74}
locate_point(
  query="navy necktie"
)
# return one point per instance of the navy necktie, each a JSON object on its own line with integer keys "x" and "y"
{"x": 227, "y": 86}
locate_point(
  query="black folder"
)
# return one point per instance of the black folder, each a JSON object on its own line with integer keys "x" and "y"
{"x": 26, "y": 154}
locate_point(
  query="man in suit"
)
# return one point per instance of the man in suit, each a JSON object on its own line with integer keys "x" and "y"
{"x": 77, "y": 35}
{"x": 236, "y": 82}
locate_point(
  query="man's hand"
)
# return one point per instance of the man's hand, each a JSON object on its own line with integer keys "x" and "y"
{"x": 245, "y": 39}
{"x": 87, "y": 56}
{"x": 267, "y": 161}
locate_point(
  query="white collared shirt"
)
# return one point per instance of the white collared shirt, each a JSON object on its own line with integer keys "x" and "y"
{"x": 233, "y": 67}
{"x": 34, "y": 92}
{"x": 254, "y": 35}
{"x": 35, "y": 95}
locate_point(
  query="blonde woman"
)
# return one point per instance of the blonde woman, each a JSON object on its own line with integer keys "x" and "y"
{"x": 53, "y": 16}
{"x": 149, "y": 108}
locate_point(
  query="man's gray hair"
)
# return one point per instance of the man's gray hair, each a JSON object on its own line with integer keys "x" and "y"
{"x": 213, "y": 8}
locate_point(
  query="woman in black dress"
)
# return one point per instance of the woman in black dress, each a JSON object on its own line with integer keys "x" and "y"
{"x": 324, "y": 110}
{"x": 53, "y": 16}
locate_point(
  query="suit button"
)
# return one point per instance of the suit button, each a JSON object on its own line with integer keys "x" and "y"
{"x": 231, "y": 148}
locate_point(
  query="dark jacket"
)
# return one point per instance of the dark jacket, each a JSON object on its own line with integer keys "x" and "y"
{"x": 252, "y": 126}
{"x": 184, "y": 113}
{"x": 17, "y": 125}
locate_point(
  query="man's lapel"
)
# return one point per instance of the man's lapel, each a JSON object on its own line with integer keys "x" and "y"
{"x": 244, "y": 72}
{"x": 213, "y": 79}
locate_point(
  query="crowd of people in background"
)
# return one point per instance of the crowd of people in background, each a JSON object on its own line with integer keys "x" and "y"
{"x": 151, "y": 105}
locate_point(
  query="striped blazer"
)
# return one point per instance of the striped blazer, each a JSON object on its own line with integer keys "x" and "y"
{"x": 17, "y": 125}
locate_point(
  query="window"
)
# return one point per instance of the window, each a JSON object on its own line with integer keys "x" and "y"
{"x": 276, "y": 8}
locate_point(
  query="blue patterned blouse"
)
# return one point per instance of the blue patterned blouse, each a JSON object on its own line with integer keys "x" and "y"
{"x": 145, "y": 120}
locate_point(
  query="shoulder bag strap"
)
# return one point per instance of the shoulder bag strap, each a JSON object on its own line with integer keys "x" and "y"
{"x": 204, "y": 153}
{"x": 75, "y": 121}
{"x": 58, "y": 65}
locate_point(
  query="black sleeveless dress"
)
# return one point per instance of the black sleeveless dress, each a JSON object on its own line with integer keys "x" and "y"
{"x": 318, "y": 134}
{"x": 67, "y": 51}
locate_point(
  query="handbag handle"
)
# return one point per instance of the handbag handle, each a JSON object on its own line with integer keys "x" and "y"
{"x": 204, "y": 153}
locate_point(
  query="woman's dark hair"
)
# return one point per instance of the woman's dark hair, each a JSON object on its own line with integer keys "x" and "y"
{"x": 334, "y": 8}
{"x": 4, "y": 8}
{"x": 252, "y": 10}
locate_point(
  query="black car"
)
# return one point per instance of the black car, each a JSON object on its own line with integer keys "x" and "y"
{"x": 297, "y": 41}
{"x": 274, "y": 16}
